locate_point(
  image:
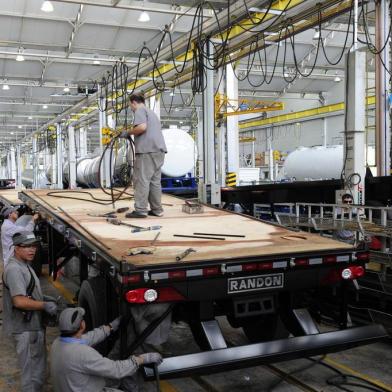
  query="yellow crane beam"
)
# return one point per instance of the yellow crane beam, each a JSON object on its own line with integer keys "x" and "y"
{"x": 282, "y": 118}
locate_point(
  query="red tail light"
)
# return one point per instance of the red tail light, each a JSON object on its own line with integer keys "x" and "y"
{"x": 301, "y": 261}
{"x": 211, "y": 271}
{"x": 353, "y": 272}
{"x": 263, "y": 266}
{"x": 148, "y": 295}
{"x": 329, "y": 259}
{"x": 363, "y": 256}
{"x": 249, "y": 267}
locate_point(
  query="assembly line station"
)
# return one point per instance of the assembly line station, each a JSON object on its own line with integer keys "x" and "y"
{"x": 269, "y": 268}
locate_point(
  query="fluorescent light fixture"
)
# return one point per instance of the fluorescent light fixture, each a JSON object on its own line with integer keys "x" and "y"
{"x": 265, "y": 10}
{"x": 337, "y": 79}
{"x": 144, "y": 17}
{"x": 19, "y": 56}
{"x": 66, "y": 89}
{"x": 172, "y": 94}
{"x": 47, "y": 6}
{"x": 45, "y": 107}
{"x": 6, "y": 87}
{"x": 12, "y": 133}
{"x": 316, "y": 35}
{"x": 286, "y": 74}
{"x": 30, "y": 117}
{"x": 96, "y": 62}
{"x": 19, "y": 126}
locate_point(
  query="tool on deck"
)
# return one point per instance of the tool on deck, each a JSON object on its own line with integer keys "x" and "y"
{"x": 107, "y": 215}
{"x": 185, "y": 254}
{"x": 135, "y": 229}
{"x": 110, "y": 214}
{"x": 141, "y": 251}
{"x": 155, "y": 238}
{"x": 221, "y": 235}
{"x": 199, "y": 236}
{"x": 192, "y": 207}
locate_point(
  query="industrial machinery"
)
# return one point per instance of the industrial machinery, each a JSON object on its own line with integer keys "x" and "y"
{"x": 177, "y": 171}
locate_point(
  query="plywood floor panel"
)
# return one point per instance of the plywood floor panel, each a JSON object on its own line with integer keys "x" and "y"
{"x": 261, "y": 238}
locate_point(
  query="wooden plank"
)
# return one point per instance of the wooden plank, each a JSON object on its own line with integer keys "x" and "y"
{"x": 260, "y": 239}
{"x": 10, "y": 197}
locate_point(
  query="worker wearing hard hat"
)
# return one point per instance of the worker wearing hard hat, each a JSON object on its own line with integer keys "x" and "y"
{"x": 77, "y": 367}
{"x": 150, "y": 149}
{"x": 10, "y": 227}
{"x": 23, "y": 307}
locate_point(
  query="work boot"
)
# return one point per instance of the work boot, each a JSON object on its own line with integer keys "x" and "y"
{"x": 135, "y": 214}
{"x": 153, "y": 213}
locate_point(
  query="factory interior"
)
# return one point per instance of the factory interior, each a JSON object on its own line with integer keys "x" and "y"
{"x": 195, "y": 196}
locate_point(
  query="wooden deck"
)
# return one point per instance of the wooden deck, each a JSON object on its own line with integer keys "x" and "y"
{"x": 10, "y": 197}
{"x": 261, "y": 239}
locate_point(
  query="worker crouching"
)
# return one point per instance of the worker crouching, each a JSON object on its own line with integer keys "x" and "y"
{"x": 77, "y": 367}
{"x": 23, "y": 305}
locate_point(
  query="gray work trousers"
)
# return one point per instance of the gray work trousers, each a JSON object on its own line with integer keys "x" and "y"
{"x": 147, "y": 182}
{"x": 31, "y": 353}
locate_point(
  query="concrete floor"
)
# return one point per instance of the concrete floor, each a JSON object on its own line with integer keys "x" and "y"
{"x": 373, "y": 362}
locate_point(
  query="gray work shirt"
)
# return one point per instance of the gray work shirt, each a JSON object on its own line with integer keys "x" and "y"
{"x": 75, "y": 366}
{"x": 151, "y": 140}
{"x": 8, "y": 229}
{"x": 17, "y": 278}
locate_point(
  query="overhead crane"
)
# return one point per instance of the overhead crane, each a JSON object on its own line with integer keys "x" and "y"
{"x": 241, "y": 43}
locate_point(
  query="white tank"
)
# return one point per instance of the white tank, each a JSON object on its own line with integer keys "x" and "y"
{"x": 313, "y": 163}
{"x": 181, "y": 153}
{"x": 179, "y": 160}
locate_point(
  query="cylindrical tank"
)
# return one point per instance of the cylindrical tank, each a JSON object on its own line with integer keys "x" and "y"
{"x": 181, "y": 153}
{"x": 313, "y": 163}
{"x": 179, "y": 160}
{"x": 27, "y": 179}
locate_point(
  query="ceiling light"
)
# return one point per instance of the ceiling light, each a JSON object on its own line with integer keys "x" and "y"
{"x": 144, "y": 17}
{"x": 286, "y": 74}
{"x": 19, "y": 126}
{"x": 172, "y": 94}
{"x": 6, "y": 87}
{"x": 47, "y": 6}
{"x": 30, "y": 117}
{"x": 337, "y": 79}
{"x": 316, "y": 35}
{"x": 96, "y": 62}
{"x": 45, "y": 107}
{"x": 19, "y": 56}
{"x": 66, "y": 89}
{"x": 12, "y": 133}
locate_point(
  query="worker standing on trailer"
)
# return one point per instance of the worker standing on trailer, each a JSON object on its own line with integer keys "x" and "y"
{"x": 77, "y": 367}
{"x": 23, "y": 303}
{"x": 150, "y": 150}
{"x": 9, "y": 228}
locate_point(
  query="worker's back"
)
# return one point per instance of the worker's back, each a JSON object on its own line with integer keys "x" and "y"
{"x": 70, "y": 366}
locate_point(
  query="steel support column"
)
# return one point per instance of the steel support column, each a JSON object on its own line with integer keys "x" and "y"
{"x": 209, "y": 121}
{"x": 18, "y": 167}
{"x": 35, "y": 162}
{"x": 221, "y": 129}
{"x": 354, "y": 141}
{"x": 82, "y": 142}
{"x": 105, "y": 175}
{"x": 233, "y": 153}
{"x": 383, "y": 123}
{"x": 13, "y": 162}
{"x": 59, "y": 156}
{"x": 154, "y": 103}
{"x": 71, "y": 157}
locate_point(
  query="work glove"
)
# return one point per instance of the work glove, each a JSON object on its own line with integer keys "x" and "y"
{"x": 50, "y": 308}
{"x": 123, "y": 135}
{"x": 151, "y": 358}
{"x": 49, "y": 298}
{"x": 115, "y": 324}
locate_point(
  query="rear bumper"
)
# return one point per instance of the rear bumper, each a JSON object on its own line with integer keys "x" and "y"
{"x": 268, "y": 352}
